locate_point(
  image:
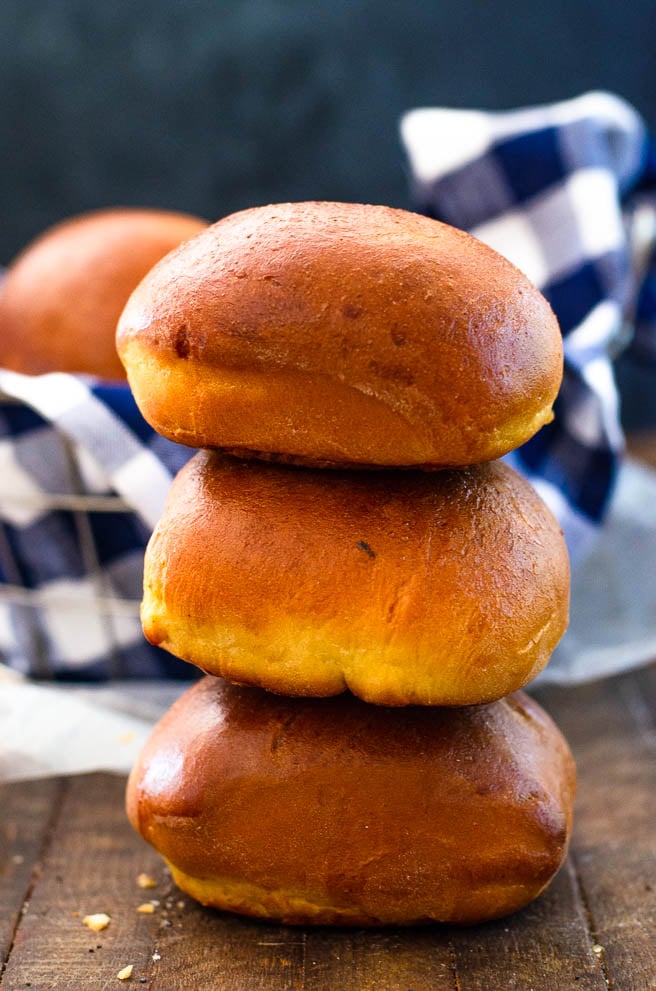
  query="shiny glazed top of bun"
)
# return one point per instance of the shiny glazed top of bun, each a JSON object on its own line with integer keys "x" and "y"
{"x": 342, "y": 333}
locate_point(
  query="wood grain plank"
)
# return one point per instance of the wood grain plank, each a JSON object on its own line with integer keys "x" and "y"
{"x": 610, "y": 726}
{"x": 89, "y": 866}
{"x": 544, "y": 947}
{"x": 380, "y": 960}
{"x": 208, "y": 949}
{"x": 26, "y": 815}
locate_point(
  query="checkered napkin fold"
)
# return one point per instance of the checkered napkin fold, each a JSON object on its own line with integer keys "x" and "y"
{"x": 83, "y": 480}
{"x": 566, "y": 191}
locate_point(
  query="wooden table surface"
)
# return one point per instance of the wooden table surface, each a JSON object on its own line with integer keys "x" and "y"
{"x": 66, "y": 850}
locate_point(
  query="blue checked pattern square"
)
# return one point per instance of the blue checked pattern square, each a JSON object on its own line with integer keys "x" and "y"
{"x": 529, "y": 170}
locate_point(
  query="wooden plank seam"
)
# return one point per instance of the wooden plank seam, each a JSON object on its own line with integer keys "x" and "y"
{"x": 35, "y": 873}
{"x": 591, "y": 926}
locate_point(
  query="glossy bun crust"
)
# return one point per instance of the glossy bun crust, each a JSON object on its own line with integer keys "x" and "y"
{"x": 435, "y": 588}
{"x": 62, "y": 296}
{"x": 336, "y": 812}
{"x": 340, "y": 333}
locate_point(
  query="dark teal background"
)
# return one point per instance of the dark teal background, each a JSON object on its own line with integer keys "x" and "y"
{"x": 210, "y": 106}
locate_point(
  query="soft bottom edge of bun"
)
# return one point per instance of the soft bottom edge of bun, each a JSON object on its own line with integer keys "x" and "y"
{"x": 293, "y": 909}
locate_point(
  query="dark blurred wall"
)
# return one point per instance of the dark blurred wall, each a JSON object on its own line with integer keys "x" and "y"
{"x": 210, "y": 106}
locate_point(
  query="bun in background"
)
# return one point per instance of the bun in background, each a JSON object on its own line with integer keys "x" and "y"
{"x": 62, "y": 296}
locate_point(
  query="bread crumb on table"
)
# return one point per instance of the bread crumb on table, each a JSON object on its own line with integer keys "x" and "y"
{"x": 126, "y": 973}
{"x": 146, "y": 881}
{"x": 146, "y": 909}
{"x": 97, "y": 922}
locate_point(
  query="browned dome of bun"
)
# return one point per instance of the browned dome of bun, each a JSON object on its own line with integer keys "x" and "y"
{"x": 332, "y": 811}
{"x": 62, "y": 296}
{"x": 342, "y": 333}
{"x": 436, "y": 588}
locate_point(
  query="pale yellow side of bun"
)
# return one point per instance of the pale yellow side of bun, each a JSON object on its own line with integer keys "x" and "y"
{"x": 332, "y": 811}
{"x": 441, "y": 588}
{"x": 62, "y": 296}
{"x": 335, "y": 333}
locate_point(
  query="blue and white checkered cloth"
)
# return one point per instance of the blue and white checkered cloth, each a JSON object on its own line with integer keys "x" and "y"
{"x": 83, "y": 480}
{"x": 566, "y": 191}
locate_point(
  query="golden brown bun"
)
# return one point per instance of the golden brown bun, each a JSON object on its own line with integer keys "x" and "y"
{"x": 342, "y": 333}
{"x": 437, "y": 588}
{"x": 334, "y": 811}
{"x": 62, "y": 296}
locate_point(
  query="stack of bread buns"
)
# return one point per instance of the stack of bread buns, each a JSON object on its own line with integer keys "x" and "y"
{"x": 365, "y": 584}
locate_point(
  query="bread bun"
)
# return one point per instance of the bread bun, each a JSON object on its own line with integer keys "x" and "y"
{"x": 62, "y": 296}
{"x": 437, "y": 588}
{"x": 335, "y": 812}
{"x": 342, "y": 333}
